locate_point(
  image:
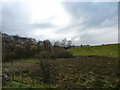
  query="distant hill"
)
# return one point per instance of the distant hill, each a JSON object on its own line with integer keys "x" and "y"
{"x": 110, "y": 50}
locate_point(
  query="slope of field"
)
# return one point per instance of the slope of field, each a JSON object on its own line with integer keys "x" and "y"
{"x": 109, "y": 50}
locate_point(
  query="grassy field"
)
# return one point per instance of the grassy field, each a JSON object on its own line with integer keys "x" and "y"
{"x": 79, "y": 72}
{"x": 110, "y": 50}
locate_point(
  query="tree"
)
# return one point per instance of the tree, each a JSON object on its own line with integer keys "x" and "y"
{"x": 63, "y": 43}
{"x": 33, "y": 50}
{"x": 81, "y": 45}
{"x": 69, "y": 43}
{"x": 19, "y": 50}
{"x": 27, "y": 48}
{"x": 56, "y": 44}
{"x": 47, "y": 45}
{"x": 40, "y": 45}
{"x": 46, "y": 70}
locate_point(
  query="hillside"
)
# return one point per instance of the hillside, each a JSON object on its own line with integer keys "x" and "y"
{"x": 110, "y": 50}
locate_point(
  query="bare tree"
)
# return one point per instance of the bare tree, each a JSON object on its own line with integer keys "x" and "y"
{"x": 63, "y": 43}
{"x": 47, "y": 45}
{"x": 69, "y": 43}
{"x": 56, "y": 44}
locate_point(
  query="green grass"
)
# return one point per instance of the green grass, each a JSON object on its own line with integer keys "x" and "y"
{"x": 109, "y": 50}
{"x": 17, "y": 84}
{"x": 14, "y": 84}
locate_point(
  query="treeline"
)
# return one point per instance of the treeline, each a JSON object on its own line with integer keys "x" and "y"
{"x": 15, "y": 47}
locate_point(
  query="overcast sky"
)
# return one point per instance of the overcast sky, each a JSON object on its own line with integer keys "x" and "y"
{"x": 81, "y": 22}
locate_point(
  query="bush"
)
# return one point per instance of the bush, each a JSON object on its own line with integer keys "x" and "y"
{"x": 62, "y": 53}
{"x": 46, "y": 71}
{"x": 8, "y": 56}
{"x": 55, "y": 53}
{"x": 20, "y": 51}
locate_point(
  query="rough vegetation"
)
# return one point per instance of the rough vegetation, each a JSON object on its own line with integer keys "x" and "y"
{"x": 80, "y": 72}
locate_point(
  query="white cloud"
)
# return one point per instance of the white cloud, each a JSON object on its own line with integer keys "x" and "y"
{"x": 86, "y": 23}
{"x": 41, "y": 10}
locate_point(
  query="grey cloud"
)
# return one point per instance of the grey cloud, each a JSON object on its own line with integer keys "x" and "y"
{"x": 15, "y": 19}
{"x": 90, "y": 17}
{"x": 93, "y": 15}
{"x": 90, "y": 22}
{"x": 86, "y": 16}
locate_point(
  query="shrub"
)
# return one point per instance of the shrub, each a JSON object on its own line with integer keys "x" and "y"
{"x": 8, "y": 56}
{"x": 33, "y": 50}
{"x": 62, "y": 53}
{"x": 20, "y": 51}
{"x": 44, "y": 55}
{"x": 45, "y": 69}
{"x": 55, "y": 53}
